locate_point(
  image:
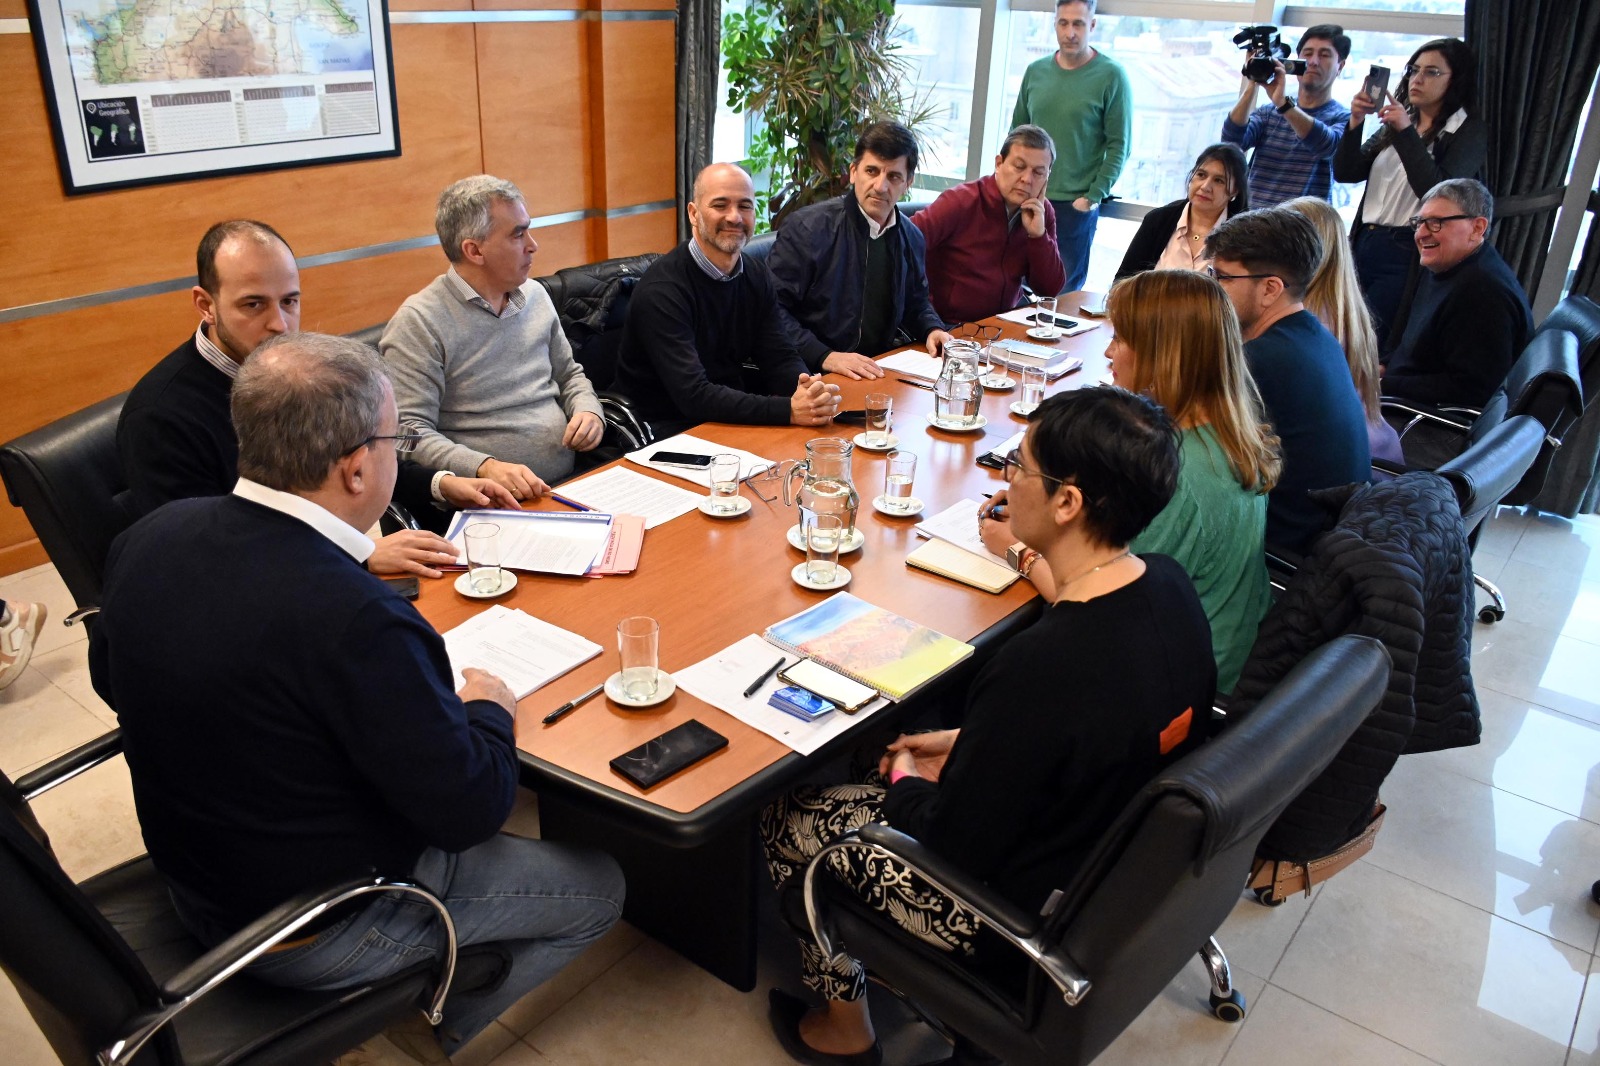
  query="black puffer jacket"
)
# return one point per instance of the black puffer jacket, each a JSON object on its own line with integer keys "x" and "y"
{"x": 1396, "y": 567}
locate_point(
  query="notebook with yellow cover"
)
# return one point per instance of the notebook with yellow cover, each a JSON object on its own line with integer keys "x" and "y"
{"x": 945, "y": 559}
{"x": 876, "y": 647}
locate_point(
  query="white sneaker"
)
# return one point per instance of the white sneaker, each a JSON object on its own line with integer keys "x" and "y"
{"x": 17, "y": 637}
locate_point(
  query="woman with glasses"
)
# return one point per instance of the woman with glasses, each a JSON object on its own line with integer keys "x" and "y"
{"x": 1174, "y": 237}
{"x": 1335, "y": 298}
{"x": 1426, "y": 136}
{"x": 1176, "y": 340}
{"x": 1066, "y": 722}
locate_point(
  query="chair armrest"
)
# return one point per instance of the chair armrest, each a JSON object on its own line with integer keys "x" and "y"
{"x": 1009, "y": 921}
{"x": 66, "y": 767}
{"x": 1388, "y": 467}
{"x": 82, "y": 614}
{"x": 250, "y": 943}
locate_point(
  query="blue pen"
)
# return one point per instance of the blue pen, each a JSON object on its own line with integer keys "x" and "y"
{"x": 574, "y": 504}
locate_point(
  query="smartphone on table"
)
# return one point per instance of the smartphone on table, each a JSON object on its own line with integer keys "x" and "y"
{"x": 689, "y": 459}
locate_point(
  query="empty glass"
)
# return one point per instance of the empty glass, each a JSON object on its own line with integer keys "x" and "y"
{"x": 879, "y": 417}
{"x": 482, "y": 541}
{"x": 723, "y": 473}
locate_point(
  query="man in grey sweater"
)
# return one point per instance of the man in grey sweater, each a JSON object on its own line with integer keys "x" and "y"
{"x": 481, "y": 368}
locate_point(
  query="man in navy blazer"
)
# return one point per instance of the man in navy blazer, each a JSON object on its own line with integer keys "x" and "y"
{"x": 289, "y": 720}
{"x": 849, "y": 272}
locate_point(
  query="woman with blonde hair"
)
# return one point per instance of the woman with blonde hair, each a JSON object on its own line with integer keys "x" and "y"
{"x": 1176, "y": 340}
{"x": 1335, "y": 298}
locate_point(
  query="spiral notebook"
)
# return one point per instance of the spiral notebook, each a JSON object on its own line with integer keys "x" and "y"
{"x": 876, "y": 647}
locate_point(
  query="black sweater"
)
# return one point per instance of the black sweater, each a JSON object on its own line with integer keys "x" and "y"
{"x": 688, "y": 338}
{"x": 1144, "y": 251}
{"x": 1049, "y": 754}
{"x": 307, "y": 730}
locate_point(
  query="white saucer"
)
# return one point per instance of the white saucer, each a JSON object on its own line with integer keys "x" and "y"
{"x": 938, "y": 423}
{"x": 913, "y": 507}
{"x": 508, "y": 581}
{"x": 665, "y": 687}
{"x": 741, "y": 506}
{"x": 997, "y": 382}
{"x": 1020, "y": 409}
{"x": 1045, "y": 333}
{"x": 841, "y": 578}
{"x": 861, "y": 442}
{"x": 854, "y": 543}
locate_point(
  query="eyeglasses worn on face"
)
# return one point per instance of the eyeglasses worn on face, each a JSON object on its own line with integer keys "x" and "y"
{"x": 1012, "y": 461}
{"x": 1213, "y": 272}
{"x": 403, "y": 442}
{"x": 1427, "y": 73}
{"x": 1436, "y": 222}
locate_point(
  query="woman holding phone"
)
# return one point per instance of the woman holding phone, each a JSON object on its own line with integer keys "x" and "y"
{"x": 1426, "y": 136}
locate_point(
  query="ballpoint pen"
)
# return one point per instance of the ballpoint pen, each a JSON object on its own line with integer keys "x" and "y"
{"x": 762, "y": 680}
{"x": 918, "y": 384}
{"x": 574, "y": 504}
{"x": 572, "y": 704}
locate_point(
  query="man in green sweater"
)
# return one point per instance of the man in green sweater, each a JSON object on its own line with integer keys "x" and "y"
{"x": 1083, "y": 100}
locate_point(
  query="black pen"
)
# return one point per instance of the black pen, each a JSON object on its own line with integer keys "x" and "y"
{"x": 762, "y": 680}
{"x": 572, "y": 704}
{"x": 918, "y": 384}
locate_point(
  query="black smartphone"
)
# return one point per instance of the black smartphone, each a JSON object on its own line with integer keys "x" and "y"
{"x": 1376, "y": 86}
{"x": 681, "y": 459}
{"x": 405, "y": 586}
{"x": 656, "y": 760}
{"x": 851, "y": 418}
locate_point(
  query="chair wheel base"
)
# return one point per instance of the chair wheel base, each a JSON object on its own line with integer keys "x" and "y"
{"x": 1265, "y": 897}
{"x": 1594, "y": 891}
{"x": 1490, "y": 615}
{"x": 1229, "y": 1008}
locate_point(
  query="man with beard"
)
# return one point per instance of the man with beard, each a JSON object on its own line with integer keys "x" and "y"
{"x": 700, "y": 312}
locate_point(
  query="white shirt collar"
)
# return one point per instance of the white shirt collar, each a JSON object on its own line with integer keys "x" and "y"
{"x": 213, "y": 354}
{"x": 874, "y": 231}
{"x": 350, "y": 539}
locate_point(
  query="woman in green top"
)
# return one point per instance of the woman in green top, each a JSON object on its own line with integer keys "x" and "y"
{"x": 1176, "y": 339}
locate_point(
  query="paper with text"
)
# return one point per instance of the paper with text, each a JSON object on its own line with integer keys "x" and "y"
{"x": 523, "y": 651}
{"x": 624, "y": 491}
{"x": 749, "y": 462}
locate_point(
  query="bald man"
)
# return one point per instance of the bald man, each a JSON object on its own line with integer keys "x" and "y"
{"x": 701, "y": 312}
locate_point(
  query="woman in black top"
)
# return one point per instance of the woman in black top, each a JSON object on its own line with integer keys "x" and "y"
{"x": 1218, "y": 188}
{"x": 1040, "y": 768}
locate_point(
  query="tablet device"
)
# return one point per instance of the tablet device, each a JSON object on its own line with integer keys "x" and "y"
{"x": 656, "y": 760}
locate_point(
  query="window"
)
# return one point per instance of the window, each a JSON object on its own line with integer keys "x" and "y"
{"x": 939, "y": 45}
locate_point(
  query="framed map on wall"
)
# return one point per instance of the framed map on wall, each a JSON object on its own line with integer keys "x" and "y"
{"x": 145, "y": 91}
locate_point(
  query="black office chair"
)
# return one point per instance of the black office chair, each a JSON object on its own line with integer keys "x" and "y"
{"x": 1543, "y": 382}
{"x": 1486, "y": 475}
{"x": 369, "y": 336}
{"x": 1157, "y": 886}
{"x": 67, "y": 479}
{"x": 1571, "y": 485}
{"x": 111, "y": 976}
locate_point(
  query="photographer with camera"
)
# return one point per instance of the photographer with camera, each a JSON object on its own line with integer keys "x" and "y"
{"x": 1426, "y": 137}
{"x": 1293, "y": 137}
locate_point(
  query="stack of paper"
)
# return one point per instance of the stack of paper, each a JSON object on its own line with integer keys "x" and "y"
{"x": 523, "y": 651}
{"x": 543, "y": 542}
{"x": 914, "y": 363}
{"x": 749, "y": 462}
{"x": 1070, "y": 327}
{"x": 622, "y": 491}
{"x": 621, "y": 554}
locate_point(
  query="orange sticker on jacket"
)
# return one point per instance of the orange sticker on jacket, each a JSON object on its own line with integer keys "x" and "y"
{"x": 1177, "y": 731}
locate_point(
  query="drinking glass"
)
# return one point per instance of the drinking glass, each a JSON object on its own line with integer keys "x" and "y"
{"x": 638, "y": 642}
{"x": 880, "y": 411}
{"x": 1032, "y": 388}
{"x": 482, "y": 541}
{"x": 1044, "y": 318}
{"x": 823, "y": 535}
{"x": 723, "y": 474}
{"x": 898, "y": 478}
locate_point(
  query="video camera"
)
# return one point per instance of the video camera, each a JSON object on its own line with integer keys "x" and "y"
{"x": 1262, "y": 45}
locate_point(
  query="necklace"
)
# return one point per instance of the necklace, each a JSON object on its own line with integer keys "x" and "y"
{"x": 1061, "y": 587}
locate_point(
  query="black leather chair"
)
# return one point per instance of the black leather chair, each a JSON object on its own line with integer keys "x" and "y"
{"x": 369, "y": 336}
{"x": 1572, "y": 484}
{"x": 67, "y": 479}
{"x": 1486, "y": 475}
{"x": 1157, "y": 886}
{"x": 111, "y": 976}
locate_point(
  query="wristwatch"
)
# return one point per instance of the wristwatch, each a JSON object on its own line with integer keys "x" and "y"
{"x": 1289, "y": 104}
{"x": 1021, "y": 558}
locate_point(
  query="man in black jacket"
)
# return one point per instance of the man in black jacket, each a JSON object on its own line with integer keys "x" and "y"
{"x": 175, "y": 437}
{"x": 849, "y": 276}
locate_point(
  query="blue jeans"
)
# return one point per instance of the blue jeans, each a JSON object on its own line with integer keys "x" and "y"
{"x": 544, "y": 902}
{"x": 1075, "y": 237}
{"x": 1384, "y": 256}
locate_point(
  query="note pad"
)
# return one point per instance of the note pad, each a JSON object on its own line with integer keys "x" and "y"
{"x": 945, "y": 559}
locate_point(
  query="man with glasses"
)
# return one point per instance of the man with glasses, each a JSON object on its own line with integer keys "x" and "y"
{"x": 1294, "y": 137}
{"x": 1083, "y": 98}
{"x": 175, "y": 436}
{"x": 480, "y": 364}
{"x": 1264, "y": 261}
{"x": 1470, "y": 318}
{"x": 290, "y": 721}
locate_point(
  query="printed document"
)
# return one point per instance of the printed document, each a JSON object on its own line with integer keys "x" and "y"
{"x": 624, "y": 491}
{"x": 544, "y": 542}
{"x": 523, "y": 651}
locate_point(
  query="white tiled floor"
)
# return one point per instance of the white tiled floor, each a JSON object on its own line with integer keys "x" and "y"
{"x": 1467, "y": 936}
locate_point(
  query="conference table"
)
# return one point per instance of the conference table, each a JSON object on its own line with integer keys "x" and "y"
{"x": 688, "y": 846}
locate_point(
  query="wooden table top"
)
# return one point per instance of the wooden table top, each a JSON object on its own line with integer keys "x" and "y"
{"x": 711, "y": 581}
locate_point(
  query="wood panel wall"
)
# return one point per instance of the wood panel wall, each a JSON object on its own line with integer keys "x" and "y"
{"x": 579, "y": 114}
